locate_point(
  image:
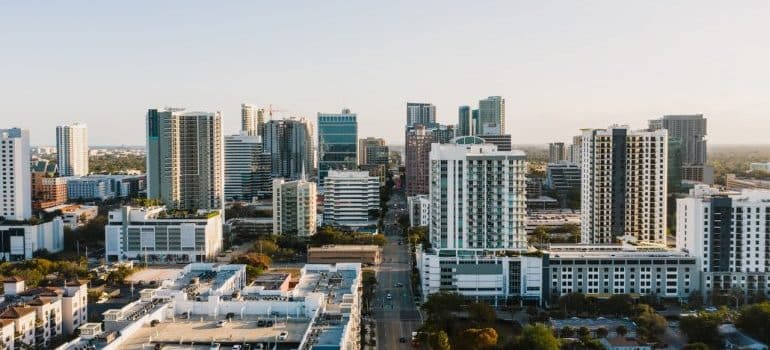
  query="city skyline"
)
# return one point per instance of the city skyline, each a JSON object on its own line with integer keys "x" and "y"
{"x": 603, "y": 64}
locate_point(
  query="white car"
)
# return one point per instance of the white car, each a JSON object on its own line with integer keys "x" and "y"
{"x": 221, "y": 323}
{"x": 215, "y": 346}
{"x": 389, "y": 296}
{"x": 283, "y": 336}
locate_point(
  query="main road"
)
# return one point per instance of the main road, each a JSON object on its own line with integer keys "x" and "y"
{"x": 396, "y": 316}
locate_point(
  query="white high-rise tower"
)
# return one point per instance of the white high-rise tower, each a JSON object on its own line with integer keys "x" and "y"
{"x": 16, "y": 191}
{"x": 72, "y": 149}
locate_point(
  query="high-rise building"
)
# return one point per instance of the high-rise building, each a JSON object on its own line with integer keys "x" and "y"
{"x": 574, "y": 151}
{"x": 185, "y": 159}
{"x": 16, "y": 198}
{"x": 252, "y": 119}
{"x": 477, "y": 196}
{"x": 464, "y": 122}
{"x": 337, "y": 142}
{"x": 350, "y": 198}
{"x": 491, "y": 118}
{"x": 416, "y": 160}
{"x": 72, "y": 149}
{"x": 624, "y": 185}
{"x": 289, "y": 142}
{"x": 246, "y": 174}
{"x": 372, "y": 151}
{"x": 443, "y": 133}
{"x": 476, "y": 128}
{"x": 420, "y": 113}
{"x": 563, "y": 178}
{"x": 556, "y": 152}
{"x": 728, "y": 232}
{"x": 294, "y": 207}
{"x": 691, "y": 130}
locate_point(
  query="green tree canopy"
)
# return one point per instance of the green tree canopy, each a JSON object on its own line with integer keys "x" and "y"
{"x": 537, "y": 337}
{"x": 755, "y": 320}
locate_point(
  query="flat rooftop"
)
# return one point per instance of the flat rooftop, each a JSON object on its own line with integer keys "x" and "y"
{"x": 345, "y": 248}
{"x": 206, "y": 331}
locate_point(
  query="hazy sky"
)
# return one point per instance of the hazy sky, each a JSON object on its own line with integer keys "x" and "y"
{"x": 561, "y": 65}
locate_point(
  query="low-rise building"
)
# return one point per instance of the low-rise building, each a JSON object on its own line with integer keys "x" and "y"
{"x": 75, "y": 215}
{"x": 210, "y": 304}
{"x": 52, "y": 314}
{"x": 155, "y": 234}
{"x": 330, "y": 254}
{"x": 604, "y": 270}
{"x": 21, "y": 239}
{"x": 480, "y": 275}
{"x": 47, "y": 190}
{"x": 623, "y": 343}
{"x": 563, "y": 178}
{"x": 732, "y": 182}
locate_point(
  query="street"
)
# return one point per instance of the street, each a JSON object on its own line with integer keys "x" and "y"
{"x": 396, "y": 317}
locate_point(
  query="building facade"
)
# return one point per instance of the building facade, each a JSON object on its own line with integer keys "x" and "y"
{"x": 48, "y": 191}
{"x": 72, "y": 149}
{"x": 563, "y": 178}
{"x": 556, "y": 152}
{"x": 477, "y": 196}
{"x": 373, "y": 151}
{"x": 624, "y": 185}
{"x": 294, "y": 207}
{"x": 245, "y": 175}
{"x": 350, "y": 197}
{"x": 16, "y": 192}
{"x": 690, "y": 131}
{"x": 464, "y": 121}
{"x": 89, "y": 188}
{"x": 185, "y": 159}
{"x": 19, "y": 241}
{"x": 337, "y": 143}
{"x": 503, "y": 142}
{"x": 419, "y": 210}
{"x": 729, "y": 233}
{"x": 420, "y": 113}
{"x": 289, "y": 142}
{"x": 157, "y": 235}
{"x": 491, "y": 119}
{"x": 253, "y": 120}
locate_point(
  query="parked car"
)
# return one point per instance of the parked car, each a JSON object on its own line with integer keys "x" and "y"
{"x": 283, "y": 336}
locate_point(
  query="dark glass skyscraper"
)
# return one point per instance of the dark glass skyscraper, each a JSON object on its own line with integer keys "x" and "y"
{"x": 464, "y": 121}
{"x": 337, "y": 142}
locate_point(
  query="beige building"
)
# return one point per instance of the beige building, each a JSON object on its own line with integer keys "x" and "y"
{"x": 331, "y": 254}
{"x": 294, "y": 207}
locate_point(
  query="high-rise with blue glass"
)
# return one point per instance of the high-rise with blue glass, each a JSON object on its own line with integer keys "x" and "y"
{"x": 337, "y": 142}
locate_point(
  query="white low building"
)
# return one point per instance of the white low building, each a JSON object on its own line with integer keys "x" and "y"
{"x": 155, "y": 234}
{"x": 19, "y": 241}
{"x": 210, "y": 304}
{"x": 349, "y": 199}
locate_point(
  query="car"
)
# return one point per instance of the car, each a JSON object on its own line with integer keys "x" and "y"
{"x": 221, "y": 323}
{"x": 283, "y": 336}
{"x": 389, "y": 296}
{"x": 402, "y": 340}
{"x": 237, "y": 347}
{"x": 215, "y": 346}
{"x": 260, "y": 323}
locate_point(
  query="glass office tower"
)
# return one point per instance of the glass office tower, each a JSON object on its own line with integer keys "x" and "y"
{"x": 337, "y": 142}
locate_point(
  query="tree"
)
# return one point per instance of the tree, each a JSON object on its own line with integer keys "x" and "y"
{"x": 439, "y": 341}
{"x": 696, "y": 346}
{"x": 482, "y": 314}
{"x": 478, "y": 338}
{"x": 584, "y": 334}
{"x": 261, "y": 261}
{"x": 618, "y": 305}
{"x": 539, "y": 236}
{"x": 537, "y": 337}
{"x": 695, "y": 300}
{"x": 621, "y": 330}
{"x": 702, "y": 328}
{"x": 602, "y": 332}
{"x": 650, "y": 323}
{"x": 573, "y": 303}
{"x": 567, "y": 332}
{"x": 755, "y": 320}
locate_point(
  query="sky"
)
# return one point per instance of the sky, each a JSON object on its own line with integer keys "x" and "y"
{"x": 560, "y": 65}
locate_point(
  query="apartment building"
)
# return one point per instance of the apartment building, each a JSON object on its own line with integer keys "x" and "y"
{"x": 72, "y": 149}
{"x": 477, "y": 196}
{"x": 350, "y": 197}
{"x": 729, "y": 233}
{"x": 16, "y": 190}
{"x": 419, "y": 210}
{"x": 294, "y": 207}
{"x": 624, "y": 185}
